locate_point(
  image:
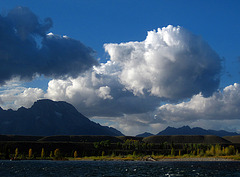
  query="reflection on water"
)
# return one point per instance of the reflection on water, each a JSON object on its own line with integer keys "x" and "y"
{"x": 103, "y": 168}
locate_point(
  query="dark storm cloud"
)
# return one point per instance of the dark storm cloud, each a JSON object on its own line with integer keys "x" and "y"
{"x": 65, "y": 56}
{"x": 21, "y": 56}
{"x": 26, "y": 23}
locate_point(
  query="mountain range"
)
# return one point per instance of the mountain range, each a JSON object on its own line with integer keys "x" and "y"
{"x": 145, "y": 134}
{"x": 186, "y": 130}
{"x": 47, "y": 117}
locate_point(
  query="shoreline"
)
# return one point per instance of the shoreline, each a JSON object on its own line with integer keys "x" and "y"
{"x": 197, "y": 159}
{"x": 144, "y": 158}
{"x": 157, "y": 159}
{"x": 187, "y": 159}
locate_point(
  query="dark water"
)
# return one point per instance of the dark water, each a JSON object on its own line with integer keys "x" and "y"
{"x": 101, "y": 168}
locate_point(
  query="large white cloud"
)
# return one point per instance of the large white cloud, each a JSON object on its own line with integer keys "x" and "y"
{"x": 13, "y": 95}
{"x": 99, "y": 93}
{"x": 171, "y": 63}
{"x": 220, "y": 106}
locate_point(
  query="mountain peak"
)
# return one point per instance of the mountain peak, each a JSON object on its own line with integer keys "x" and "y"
{"x": 53, "y": 106}
{"x": 186, "y": 130}
{"x": 145, "y": 134}
{"x": 47, "y": 102}
{"x": 47, "y": 117}
{"x": 185, "y": 127}
{"x": 169, "y": 128}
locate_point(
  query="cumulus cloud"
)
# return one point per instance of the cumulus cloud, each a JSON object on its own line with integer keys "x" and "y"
{"x": 219, "y": 112}
{"x": 220, "y": 106}
{"x": 170, "y": 63}
{"x": 104, "y": 92}
{"x": 99, "y": 93}
{"x": 23, "y": 56}
{"x": 29, "y": 96}
{"x": 17, "y": 96}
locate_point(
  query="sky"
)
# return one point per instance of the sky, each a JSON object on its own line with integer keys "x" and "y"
{"x": 136, "y": 65}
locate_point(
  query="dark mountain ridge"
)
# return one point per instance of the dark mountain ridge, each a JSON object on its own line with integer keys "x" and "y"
{"x": 186, "y": 130}
{"x": 145, "y": 134}
{"x": 47, "y": 118}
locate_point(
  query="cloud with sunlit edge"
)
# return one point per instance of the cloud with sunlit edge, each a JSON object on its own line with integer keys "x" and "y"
{"x": 27, "y": 49}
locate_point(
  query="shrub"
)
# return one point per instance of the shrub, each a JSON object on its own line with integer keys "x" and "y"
{"x": 51, "y": 154}
{"x": 231, "y": 150}
{"x": 57, "y": 154}
{"x": 16, "y": 153}
{"x": 42, "y": 154}
{"x": 113, "y": 154}
{"x": 75, "y": 154}
{"x": 218, "y": 150}
{"x": 30, "y": 153}
{"x": 172, "y": 152}
{"x": 201, "y": 154}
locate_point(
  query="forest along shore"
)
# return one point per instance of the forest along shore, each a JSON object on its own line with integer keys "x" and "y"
{"x": 125, "y": 148}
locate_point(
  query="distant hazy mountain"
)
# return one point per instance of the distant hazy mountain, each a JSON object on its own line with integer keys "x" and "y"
{"x": 146, "y": 134}
{"x": 186, "y": 130}
{"x": 47, "y": 117}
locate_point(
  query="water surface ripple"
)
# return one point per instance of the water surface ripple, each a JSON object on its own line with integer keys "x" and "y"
{"x": 112, "y": 168}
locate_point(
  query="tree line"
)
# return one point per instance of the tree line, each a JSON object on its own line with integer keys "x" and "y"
{"x": 106, "y": 148}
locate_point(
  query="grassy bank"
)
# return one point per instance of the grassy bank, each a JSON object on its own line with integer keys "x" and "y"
{"x": 185, "y": 157}
{"x": 156, "y": 158}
